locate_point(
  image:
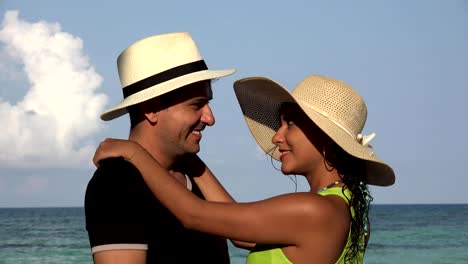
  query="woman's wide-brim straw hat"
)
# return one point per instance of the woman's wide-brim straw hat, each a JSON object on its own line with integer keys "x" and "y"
{"x": 332, "y": 105}
{"x": 157, "y": 65}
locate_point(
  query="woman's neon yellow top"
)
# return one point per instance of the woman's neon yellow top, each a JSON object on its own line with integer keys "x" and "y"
{"x": 271, "y": 254}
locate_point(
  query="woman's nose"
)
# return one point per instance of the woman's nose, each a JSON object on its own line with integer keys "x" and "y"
{"x": 278, "y": 137}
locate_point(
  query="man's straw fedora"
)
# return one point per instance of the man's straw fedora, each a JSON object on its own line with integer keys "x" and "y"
{"x": 156, "y": 65}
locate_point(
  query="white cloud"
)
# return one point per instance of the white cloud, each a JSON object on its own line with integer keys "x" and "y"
{"x": 49, "y": 126}
{"x": 9, "y": 67}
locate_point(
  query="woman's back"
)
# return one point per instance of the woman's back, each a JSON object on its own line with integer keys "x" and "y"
{"x": 320, "y": 247}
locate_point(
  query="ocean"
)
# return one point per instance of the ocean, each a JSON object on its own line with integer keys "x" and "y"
{"x": 400, "y": 234}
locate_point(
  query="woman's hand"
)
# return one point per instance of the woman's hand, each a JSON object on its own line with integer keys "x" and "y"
{"x": 112, "y": 147}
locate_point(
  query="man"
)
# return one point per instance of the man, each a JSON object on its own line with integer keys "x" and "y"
{"x": 166, "y": 86}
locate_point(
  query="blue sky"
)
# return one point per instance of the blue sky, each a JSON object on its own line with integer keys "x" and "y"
{"x": 408, "y": 59}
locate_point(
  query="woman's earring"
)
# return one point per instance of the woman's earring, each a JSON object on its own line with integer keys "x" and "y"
{"x": 328, "y": 165}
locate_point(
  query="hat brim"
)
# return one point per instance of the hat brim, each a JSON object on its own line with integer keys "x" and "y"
{"x": 162, "y": 88}
{"x": 260, "y": 100}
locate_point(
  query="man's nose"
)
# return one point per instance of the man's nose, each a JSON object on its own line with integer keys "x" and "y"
{"x": 207, "y": 116}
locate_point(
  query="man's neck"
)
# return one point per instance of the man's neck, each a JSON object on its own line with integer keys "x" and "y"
{"x": 154, "y": 148}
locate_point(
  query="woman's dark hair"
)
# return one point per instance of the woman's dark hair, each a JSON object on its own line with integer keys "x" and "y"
{"x": 353, "y": 172}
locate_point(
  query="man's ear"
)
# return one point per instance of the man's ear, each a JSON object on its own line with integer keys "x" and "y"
{"x": 152, "y": 117}
{"x": 151, "y": 110}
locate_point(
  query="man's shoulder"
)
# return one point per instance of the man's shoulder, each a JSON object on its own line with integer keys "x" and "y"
{"x": 114, "y": 177}
{"x": 112, "y": 165}
{"x": 115, "y": 188}
{"x": 115, "y": 171}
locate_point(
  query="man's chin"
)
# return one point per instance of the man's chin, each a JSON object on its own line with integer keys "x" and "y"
{"x": 193, "y": 150}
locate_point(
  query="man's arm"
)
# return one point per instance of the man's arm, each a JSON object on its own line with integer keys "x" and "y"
{"x": 120, "y": 257}
{"x": 114, "y": 215}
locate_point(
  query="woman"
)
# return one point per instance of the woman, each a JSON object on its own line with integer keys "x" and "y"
{"x": 315, "y": 131}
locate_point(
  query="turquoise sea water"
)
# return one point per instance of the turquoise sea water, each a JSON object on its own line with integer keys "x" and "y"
{"x": 400, "y": 234}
